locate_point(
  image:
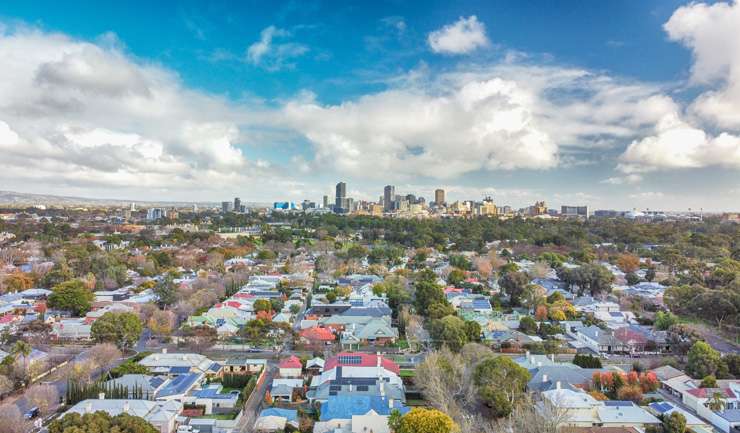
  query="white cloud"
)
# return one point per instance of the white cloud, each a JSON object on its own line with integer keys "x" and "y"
{"x": 461, "y": 37}
{"x": 479, "y": 118}
{"x": 629, "y": 179}
{"x": 274, "y": 56}
{"x": 711, "y": 32}
{"x": 82, "y": 115}
{"x": 676, "y": 144}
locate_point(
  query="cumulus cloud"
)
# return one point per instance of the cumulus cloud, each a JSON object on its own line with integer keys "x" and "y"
{"x": 88, "y": 115}
{"x": 461, "y": 37}
{"x": 677, "y": 144}
{"x": 491, "y": 118}
{"x": 710, "y": 31}
{"x": 271, "y": 55}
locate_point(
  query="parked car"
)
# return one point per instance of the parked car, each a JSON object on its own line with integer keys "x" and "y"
{"x": 32, "y": 413}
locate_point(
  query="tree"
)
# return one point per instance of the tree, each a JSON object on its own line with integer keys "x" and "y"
{"x": 473, "y": 331}
{"x": 262, "y": 305}
{"x": 420, "y": 420}
{"x": 587, "y": 361}
{"x": 162, "y": 322}
{"x": 702, "y": 360}
{"x": 663, "y": 321}
{"x": 717, "y": 403}
{"x": 528, "y": 325}
{"x": 428, "y": 291}
{"x": 449, "y": 331}
{"x": 674, "y": 423}
{"x": 104, "y": 354}
{"x": 21, "y": 348}
{"x": 121, "y": 329}
{"x": 101, "y": 422}
{"x": 45, "y": 397}
{"x": 166, "y": 291}
{"x": 540, "y": 313}
{"x": 632, "y": 278}
{"x": 439, "y": 310}
{"x": 500, "y": 383}
{"x": 709, "y": 382}
{"x": 631, "y": 392}
{"x": 628, "y": 263}
{"x": 71, "y": 296}
{"x": 6, "y": 385}
{"x": 513, "y": 284}
{"x": 650, "y": 274}
{"x": 455, "y": 277}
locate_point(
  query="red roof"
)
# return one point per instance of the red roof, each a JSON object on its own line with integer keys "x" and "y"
{"x": 627, "y": 335}
{"x": 233, "y": 304}
{"x": 8, "y": 318}
{"x": 243, "y": 295}
{"x": 316, "y": 333}
{"x": 360, "y": 360}
{"x": 292, "y": 362}
{"x": 708, "y": 392}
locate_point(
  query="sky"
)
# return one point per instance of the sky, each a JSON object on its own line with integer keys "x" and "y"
{"x": 611, "y": 104}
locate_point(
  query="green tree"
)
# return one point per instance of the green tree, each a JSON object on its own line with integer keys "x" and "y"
{"x": 455, "y": 277}
{"x": 473, "y": 331}
{"x": 500, "y": 383}
{"x": 428, "y": 291}
{"x": 71, "y": 296}
{"x": 99, "y": 422}
{"x": 674, "y": 423}
{"x": 632, "y": 278}
{"x": 663, "y": 321}
{"x": 702, "y": 360}
{"x": 449, "y": 331}
{"x": 513, "y": 284}
{"x": 166, "y": 291}
{"x": 121, "y": 329}
{"x": 528, "y": 325}
{"x": 709, "y": 382}
{"x": 21, "y": 348}
{"x": 439, "y": 310}
{"x": 587, "y": 361}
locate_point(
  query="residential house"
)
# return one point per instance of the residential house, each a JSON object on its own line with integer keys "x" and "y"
{"x": 162, "y": 415}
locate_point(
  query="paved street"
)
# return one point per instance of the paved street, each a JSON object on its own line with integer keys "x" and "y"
{"x": 254, "y": 402}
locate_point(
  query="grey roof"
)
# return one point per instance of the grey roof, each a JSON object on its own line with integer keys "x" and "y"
{"x": 568, "y": 375}
{"x": 731, "y": 415}
{"x": 180, "y": 385}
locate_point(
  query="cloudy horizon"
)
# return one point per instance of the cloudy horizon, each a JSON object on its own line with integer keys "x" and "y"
{"x": 282, "y": 104}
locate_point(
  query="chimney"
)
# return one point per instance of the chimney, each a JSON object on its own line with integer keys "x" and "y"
{"x": 382, "y": 389}
{"x": 557, "y": 385}
{"x": 378, "y": 357}
{"x": 539, "y": 363}
{"x": 101, "y": 396}
{"x": 544, "y": 378}
{"x": 526, "y": 354}
{"x": 350, "y": 387}
{"x": 164, "y": 350}
{"x": 596, "y": 333}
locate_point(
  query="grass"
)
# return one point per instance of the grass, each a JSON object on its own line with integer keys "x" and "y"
{"x": 417, "y": 403}
{"x": 408, "y": 373}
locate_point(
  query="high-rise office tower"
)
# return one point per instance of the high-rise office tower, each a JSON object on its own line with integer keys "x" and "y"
{"x": 326, "y": 201}
{"x": 237, "y": 204}
{"x": 340, "y": 202}
{"x": 225, "y": 206}
{"x": 389, "y": 195}
{"x": 439, "y": 197}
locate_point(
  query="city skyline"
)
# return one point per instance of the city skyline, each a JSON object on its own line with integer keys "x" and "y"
{"x": 196, "y": 103}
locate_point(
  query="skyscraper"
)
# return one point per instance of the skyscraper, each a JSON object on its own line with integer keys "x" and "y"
{"x": 389, "y": 195}
{"x": 340, "y": 202}
{"x": 326, "y": 201}
{"x": 237, "y": 204}
{"x": 439, "y": 197}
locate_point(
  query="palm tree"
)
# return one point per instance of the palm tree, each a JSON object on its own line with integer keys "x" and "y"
{"x": 21, "y": 348}
{"x": 717, "y": 403}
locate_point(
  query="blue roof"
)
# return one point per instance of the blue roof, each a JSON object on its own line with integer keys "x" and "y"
{"x": 179, "y": 385}
{"x": 215, "y": 367}
{"x": 345, "y": 406}
{"x": 156, "y": 381}
{"x": 179, "y": 370}
{"x": 661, "y": 407}
{"x": 289, "y": 414}
{"x": 213, "y": 392}
{"x": 481, "y": 304}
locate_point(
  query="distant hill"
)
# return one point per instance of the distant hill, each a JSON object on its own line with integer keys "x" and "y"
{"x": 20, "y": 199}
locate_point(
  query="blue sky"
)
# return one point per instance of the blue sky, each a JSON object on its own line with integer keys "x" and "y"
{"x": 611, "y": 104}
